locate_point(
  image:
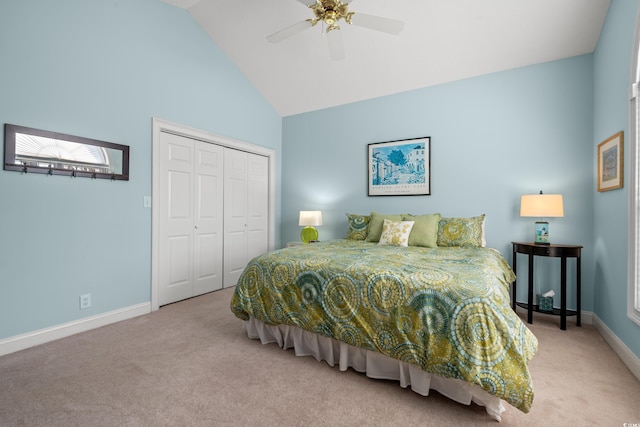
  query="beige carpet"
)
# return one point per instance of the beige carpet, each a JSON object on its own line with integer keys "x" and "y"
{"x": 191, "y": 363}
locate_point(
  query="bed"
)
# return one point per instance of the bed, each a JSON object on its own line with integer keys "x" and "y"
{"x": 432, "y": 318}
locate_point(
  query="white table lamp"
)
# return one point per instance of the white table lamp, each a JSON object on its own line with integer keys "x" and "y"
{"x": 542, "y": 206}
{"x": 309, "y": 220}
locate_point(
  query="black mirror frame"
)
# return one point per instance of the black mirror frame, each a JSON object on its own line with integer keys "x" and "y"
{"x": 10, "y": 154}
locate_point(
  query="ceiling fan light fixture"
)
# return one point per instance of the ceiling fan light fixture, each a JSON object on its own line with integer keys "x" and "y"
{"x": 330, "y": 17}
{"x": 330, "y": 13}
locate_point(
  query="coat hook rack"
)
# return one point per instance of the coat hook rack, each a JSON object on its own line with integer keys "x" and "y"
{"x": 25, "y": 153}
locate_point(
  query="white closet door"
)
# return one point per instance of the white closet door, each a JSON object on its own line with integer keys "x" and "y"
{"x": 235, "y": 215}
{"x": 258, "y": 206}
{"x": 246, "y": 211}
{"x": 176, "y": 219}
{"x": 191, "y": 215}
{"x": 208, "y": 217}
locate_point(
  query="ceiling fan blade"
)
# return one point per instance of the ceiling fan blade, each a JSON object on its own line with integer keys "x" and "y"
{"x": 377, "y": 23}
{"x": 336, "y": 46}
{"x": 308, "y": 3}
{"x": 289, "y": 31}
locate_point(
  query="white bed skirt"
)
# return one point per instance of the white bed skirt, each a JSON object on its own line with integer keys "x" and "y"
{"x": 374, "y": 365}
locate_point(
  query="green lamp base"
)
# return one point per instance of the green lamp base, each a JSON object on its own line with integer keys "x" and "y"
{"x": 308, "y": 234}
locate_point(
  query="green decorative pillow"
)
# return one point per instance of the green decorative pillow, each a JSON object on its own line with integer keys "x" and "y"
{"x": 424, "y": 231}
{"x": 375, "y": 225}
{"x": 463, "y": 232}
{"x": 395, "y": 233}
{"x": 358, "y": 226}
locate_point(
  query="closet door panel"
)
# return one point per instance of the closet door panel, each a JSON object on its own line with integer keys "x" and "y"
{"x": 179, "y": 280}
{"x": 207, "y": 271}
{"x": 258, "y": 205}
{"x": 208, "y": 219}
{"x": 176, "y": 219}
{"x": 235, "y": 215}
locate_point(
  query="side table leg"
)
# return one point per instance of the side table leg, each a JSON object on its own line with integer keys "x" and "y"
{"x": 530, "y": 295}
{"x": 563, "y": 293}
{"x": 578, "y": 290}
{"x": 513, "y": 295}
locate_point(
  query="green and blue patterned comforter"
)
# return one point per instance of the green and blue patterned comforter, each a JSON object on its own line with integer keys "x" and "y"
{"x": 446, "y": 310}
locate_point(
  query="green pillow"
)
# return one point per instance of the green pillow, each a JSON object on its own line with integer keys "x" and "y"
{"x": 358, "y": 226}
{"x": 424, "y": 231}
{"x": 463, "y": 232}
{"x": 375, "y": 225}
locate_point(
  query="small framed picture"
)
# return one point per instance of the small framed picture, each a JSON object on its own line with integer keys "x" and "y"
{"x": 611, "y": 163}
{"x": 400, "y": 168}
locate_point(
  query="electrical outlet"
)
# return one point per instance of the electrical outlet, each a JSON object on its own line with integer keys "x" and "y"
{"x": 85, "y": 301}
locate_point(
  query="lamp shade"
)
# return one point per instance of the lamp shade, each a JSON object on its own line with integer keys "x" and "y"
{"x": 310, "y": 218}
{"x": 541, "y": 205}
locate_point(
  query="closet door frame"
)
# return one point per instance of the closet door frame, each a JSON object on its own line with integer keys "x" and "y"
{"x": 159, "y": 126}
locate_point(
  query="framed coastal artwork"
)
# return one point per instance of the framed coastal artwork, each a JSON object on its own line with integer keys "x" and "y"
{"x": 610, "y": 163}
{"x": 400, "y": 168}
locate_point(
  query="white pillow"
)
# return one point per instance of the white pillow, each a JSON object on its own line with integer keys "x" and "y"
{"x": 396, "y": 232}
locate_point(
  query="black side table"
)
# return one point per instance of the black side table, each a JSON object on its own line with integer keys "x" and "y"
{"x": 558, "y": 251}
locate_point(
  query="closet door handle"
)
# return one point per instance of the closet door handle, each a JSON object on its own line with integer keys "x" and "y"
{"x": 196, "y": 227}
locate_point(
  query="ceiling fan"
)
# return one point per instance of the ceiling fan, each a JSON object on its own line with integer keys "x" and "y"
{"x": 330, "y": 12}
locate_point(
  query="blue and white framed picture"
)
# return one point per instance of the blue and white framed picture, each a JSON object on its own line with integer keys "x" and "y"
{"x": 400, "y": 168}
{"x": 611, "y": 163}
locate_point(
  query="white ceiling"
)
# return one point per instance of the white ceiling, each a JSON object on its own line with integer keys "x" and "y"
{"x": 443, "y": 41}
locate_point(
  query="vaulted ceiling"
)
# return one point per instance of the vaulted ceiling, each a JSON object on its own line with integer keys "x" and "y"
{"x": 442, "y": 41}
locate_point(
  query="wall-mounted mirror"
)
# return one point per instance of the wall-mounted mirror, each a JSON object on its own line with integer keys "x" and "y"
{"x": 33, "y": 150}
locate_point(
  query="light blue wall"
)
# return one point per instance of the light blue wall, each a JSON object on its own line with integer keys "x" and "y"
{"x": 612, "y": 73}
{"x": 102, "y": 69}
{"x": 494, "y": 138}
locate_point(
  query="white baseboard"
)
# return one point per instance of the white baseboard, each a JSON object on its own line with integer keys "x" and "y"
{"x": 586, "y": 317}
{"x": 30, "y": 339}
{"x": 631, "y": 360}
